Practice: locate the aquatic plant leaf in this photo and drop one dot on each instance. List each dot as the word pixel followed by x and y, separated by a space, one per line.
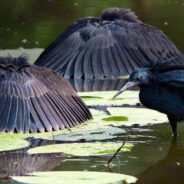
pixel 75 177
pixel 115 118
pixel 82 149
pixel 141 116
pixel 12 141
pixel 105 98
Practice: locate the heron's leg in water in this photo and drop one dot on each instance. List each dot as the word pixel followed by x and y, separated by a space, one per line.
pixel 173 123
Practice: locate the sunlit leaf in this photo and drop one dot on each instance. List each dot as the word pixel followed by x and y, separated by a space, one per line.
pixel 82 149
pixel 75 177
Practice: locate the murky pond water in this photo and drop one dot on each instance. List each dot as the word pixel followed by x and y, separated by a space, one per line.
pixel 36 23
pixel 156 157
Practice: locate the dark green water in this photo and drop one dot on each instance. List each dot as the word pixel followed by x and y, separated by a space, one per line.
pixel 156 158
pixel 39 22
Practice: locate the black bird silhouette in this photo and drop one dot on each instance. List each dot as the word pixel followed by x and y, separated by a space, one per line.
pixel 161 88
pixel 36 99
pixel 109 46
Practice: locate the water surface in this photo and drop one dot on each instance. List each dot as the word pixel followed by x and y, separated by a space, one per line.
pixel 36 23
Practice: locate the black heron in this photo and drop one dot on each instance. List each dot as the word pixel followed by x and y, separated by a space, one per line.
pixel 36 99
pixel 161 89
pixel 109 46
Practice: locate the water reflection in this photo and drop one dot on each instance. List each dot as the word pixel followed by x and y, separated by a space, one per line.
pixel 97 85
pixel 169 170
pixel 19 162
pixel 155 159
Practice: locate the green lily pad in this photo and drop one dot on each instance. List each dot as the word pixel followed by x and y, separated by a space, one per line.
pixel 12 141
pixel 139 116
pixel 90 135
pixel 115 118
pixel 82 149
pixel 105 98
pixel 75 177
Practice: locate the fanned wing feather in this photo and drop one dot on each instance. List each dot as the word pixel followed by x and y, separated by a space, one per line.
pixel 173 78
pixel 95 48
pixel 37 99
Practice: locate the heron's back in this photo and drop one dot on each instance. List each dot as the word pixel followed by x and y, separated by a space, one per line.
pixel 166 100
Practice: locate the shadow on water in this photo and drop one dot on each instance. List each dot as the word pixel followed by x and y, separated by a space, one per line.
pixel 161 161
pixel 169 170
pixel 19 162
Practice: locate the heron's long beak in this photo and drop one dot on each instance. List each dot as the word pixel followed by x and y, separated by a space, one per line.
pixel 125 87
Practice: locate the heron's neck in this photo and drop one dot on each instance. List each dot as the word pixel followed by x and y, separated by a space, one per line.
pixel 146 93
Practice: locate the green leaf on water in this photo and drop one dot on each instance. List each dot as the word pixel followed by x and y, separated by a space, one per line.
pixel 82 149
pixel 75 177
pixel 115 118
pixel 12 141
pixel 105 98
pixel 141 116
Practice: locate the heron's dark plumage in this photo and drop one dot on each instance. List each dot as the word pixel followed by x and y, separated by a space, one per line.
pixel 162 89
pixel 36 99
pixel 110 46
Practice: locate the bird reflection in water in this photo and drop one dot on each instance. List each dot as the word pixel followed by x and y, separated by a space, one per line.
pixel 19 162
pixel 167 171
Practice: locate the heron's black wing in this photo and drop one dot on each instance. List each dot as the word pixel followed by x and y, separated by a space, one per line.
pixel 172 76
pixel 106 49
pixel 36 99
pixel 59 53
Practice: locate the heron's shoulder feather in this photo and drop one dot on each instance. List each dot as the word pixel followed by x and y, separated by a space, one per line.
pixel 172 76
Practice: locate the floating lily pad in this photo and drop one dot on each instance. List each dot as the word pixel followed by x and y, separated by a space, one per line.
pixel 82 149
pixel 12 141
pixel 115 118
pixel 139 116
pixel 75 177
pixel 105 98
pixel 90 135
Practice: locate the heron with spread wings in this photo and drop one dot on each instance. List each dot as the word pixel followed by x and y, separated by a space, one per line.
pixel 109 46
pixel 36 99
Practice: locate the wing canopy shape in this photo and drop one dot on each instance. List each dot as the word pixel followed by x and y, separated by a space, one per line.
pixel 110 46
pixel 35 99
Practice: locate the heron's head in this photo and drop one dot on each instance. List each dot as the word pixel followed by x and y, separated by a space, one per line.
pixel 139 77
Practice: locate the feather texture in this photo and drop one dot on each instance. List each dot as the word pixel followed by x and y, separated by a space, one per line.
pixel 35 99
pixel 110 46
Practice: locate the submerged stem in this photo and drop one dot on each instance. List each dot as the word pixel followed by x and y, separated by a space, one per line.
pixel 118 150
